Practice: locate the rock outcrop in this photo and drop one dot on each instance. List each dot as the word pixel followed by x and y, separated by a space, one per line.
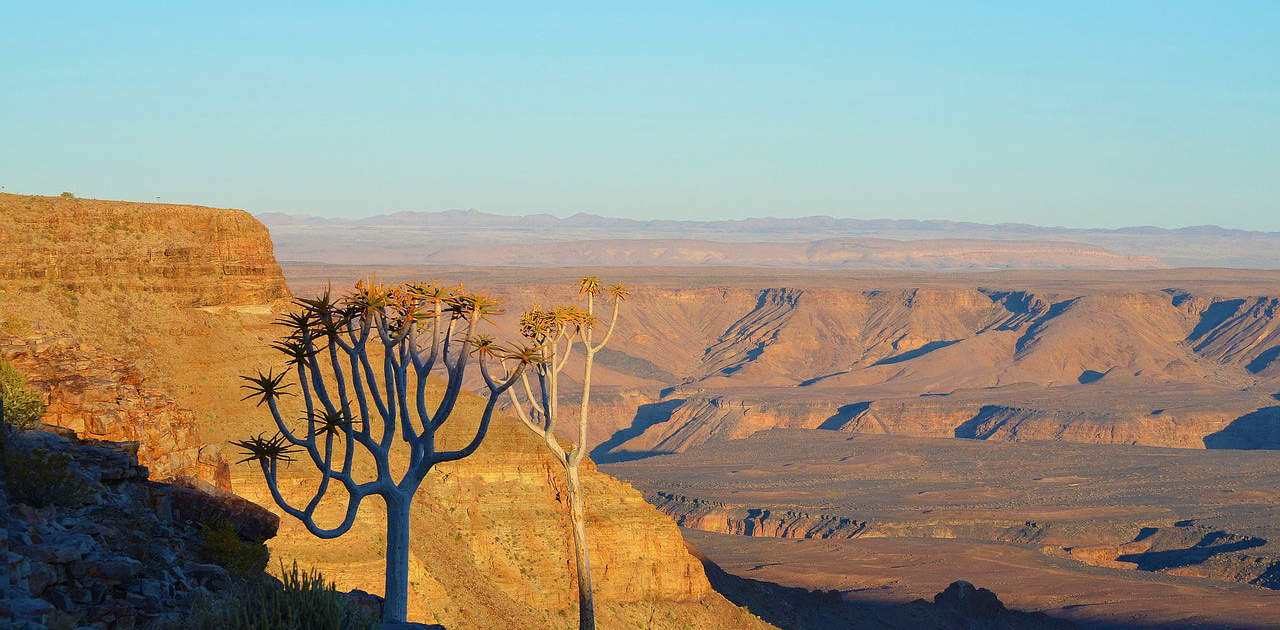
pixel 101 398
pixel 86 540
pixel 204 256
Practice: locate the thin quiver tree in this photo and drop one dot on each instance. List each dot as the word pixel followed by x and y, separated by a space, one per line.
pixel 553 334
pixel 333 347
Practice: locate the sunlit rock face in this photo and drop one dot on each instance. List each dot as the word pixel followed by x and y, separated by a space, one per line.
pixel 207 256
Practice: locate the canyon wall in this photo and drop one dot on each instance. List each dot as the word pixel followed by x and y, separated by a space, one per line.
pixel 1163 367
pixel 101 398
pixel 204 256
pixel 1185 357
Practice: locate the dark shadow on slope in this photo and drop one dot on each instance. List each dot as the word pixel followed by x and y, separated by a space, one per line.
pixel 1269 578
pixel 1038 325
pixel 1257 430
pixel 1017 303
pixel 918 352
pixel 633 365
pixel 1177 296
pixel 1212 317
pixel 1260 362
pixel 810 381
pixel 1090 376
pixel 1196 554
pixel 843 415
pixel 969 428
pixel 751 355
pixel 646 416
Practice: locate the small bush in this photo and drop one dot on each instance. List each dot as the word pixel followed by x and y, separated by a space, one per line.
pixel 223 546
pixel 302 600
pixel 20 407
pixel 39 477
pixel 67 195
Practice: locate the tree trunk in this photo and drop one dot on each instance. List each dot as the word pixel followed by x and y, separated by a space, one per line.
pixel 586 607
pixel 395 605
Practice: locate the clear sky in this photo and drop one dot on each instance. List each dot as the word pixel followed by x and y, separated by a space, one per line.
pixel 1059 113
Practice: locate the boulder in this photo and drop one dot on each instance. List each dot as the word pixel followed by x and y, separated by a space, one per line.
pixel 969 600
pixel 196 500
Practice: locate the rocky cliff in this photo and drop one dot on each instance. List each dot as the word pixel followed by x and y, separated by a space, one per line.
pixel 204 256
pixel 101 398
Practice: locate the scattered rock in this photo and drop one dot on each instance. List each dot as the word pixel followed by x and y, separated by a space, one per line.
pixel 127 560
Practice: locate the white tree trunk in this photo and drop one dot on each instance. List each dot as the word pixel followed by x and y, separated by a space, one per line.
pixel 586 605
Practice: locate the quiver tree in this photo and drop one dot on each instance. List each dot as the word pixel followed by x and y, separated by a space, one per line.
pixel 407 331
pixel 553 335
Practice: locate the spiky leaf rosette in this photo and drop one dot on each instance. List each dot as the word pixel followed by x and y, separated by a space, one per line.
pixel 526 355
pixel 537 324
pixel 618 291
pixel 298 322
pixel 590 285
pixel 473 305
pixel 299 352
pixel 485 346
pixel 265 450
pixel 328 422
pixel 266 386
pixel 332 319
pixel 571 316
pixel 369 296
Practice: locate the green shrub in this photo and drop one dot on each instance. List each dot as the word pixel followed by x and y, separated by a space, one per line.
pixel 302 600
pixel 38 477
pixel 223 546
pixel 23 407
pixel 67 195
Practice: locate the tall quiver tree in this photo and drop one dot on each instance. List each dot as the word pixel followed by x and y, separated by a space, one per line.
pixel 553 334
pixel 409 331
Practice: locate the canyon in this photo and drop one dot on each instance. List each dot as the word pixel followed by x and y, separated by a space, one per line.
pixel 1186 358
pixel 847 429
pixel 1038 431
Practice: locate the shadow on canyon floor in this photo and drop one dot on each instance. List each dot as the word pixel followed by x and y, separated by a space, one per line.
pixel 1189 556
pixel 1258 430
pixel 646 416
pixel 794 608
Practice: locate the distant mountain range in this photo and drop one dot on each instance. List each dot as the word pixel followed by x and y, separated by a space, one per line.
pixel 471 237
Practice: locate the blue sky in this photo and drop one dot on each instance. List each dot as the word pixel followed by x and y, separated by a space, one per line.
pixel 1080 114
